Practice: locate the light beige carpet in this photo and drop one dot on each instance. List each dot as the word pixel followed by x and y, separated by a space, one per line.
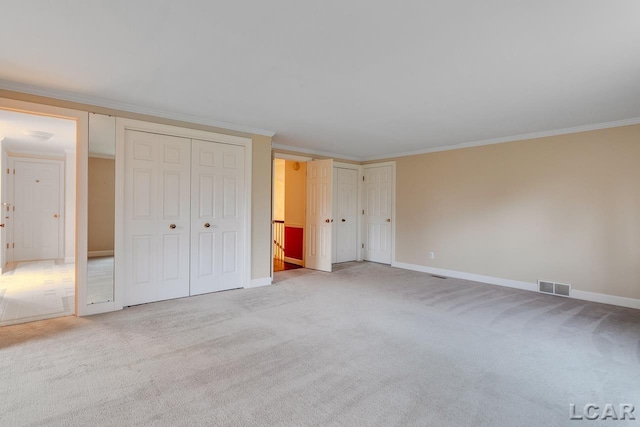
pixel 365 345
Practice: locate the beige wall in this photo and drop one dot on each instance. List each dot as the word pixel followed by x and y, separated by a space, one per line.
pixel 563 208
pixel 261 208
pixel 278 189
pixel 260 173
pixel 295 193
pixel 101 213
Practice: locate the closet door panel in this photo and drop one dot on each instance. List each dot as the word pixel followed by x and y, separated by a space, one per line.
pixel 346 215
pixel 217 220
pixel 157 220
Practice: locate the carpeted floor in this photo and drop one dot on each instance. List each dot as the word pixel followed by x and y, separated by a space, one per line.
pixel 365 345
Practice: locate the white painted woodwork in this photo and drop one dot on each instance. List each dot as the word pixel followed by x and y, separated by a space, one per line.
pixel 319 214
pixel 217 199
pixel 6 218
pixel 345 243
pixel 377 204
pixel 37 214
pixel 157 177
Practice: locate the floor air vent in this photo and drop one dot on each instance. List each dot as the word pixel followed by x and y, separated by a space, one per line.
pixel 560 289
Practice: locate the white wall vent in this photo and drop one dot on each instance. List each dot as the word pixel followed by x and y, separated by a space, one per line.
pixel 553 288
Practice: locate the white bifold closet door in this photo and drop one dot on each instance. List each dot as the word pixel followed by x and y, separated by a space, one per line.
pixel 184 217
pixel 217 217
pixel 157 219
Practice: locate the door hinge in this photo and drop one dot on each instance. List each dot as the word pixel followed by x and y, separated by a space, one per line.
pixel 362 211
pixel 13 245
pixel 363 246
pixel 14 171
pixel 362 178
pixel 7 246
pixel 8 172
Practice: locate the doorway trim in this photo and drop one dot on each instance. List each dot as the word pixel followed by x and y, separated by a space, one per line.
pixel 81 119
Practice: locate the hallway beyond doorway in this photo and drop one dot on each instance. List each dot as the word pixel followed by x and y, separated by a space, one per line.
pixel 280 265
pixel 36 290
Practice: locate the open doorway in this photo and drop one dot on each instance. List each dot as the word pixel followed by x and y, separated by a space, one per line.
pixel 37 231
pixel 315 212
pixel 289 200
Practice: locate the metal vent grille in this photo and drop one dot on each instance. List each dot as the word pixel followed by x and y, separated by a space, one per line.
pixel 546 287
pixel 562 289
pixel 553 288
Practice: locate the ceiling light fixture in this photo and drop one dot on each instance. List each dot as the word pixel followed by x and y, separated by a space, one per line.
pixel 38 134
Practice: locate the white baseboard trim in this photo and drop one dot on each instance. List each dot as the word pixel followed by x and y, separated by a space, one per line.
pixel 294 261
pixel 468 276
pixel 69 259
pixel 95 254
pixel 256 283
pixel 533 287
pixel 606 299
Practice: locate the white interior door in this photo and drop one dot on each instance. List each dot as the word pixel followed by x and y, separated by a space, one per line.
pixel 346 215
pixel 157 217
pixel 4 210
pixel 37 210
pixel 377 203
pixel 217 217
pixel 319 214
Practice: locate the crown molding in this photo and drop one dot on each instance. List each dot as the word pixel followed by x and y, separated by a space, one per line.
pixel 316 152
pixel 514 138
pixel 131 108
pixel 479 143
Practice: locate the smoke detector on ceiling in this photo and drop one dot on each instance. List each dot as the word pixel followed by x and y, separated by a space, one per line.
pixel 43 136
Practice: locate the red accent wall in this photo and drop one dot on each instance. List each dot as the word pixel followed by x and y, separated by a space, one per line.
pixel 293 238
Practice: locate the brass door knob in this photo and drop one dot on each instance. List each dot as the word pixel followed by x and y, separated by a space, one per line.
pixel 172 226
pixel 55 215
pixel 388 219
pixel 327 221
pixel 344 220
pixel 207 225
pixel 2 225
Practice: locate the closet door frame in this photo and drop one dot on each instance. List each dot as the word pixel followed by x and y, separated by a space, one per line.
pixel 122 125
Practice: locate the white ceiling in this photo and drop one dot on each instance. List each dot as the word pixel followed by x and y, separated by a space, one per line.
pixel 13 126
pixel 361 79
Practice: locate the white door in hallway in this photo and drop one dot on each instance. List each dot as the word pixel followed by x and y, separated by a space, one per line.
pixel 157 217
pixel 319 215
pixel 37 210
pixel 346 215
pixel 377 204
pixel 217 217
